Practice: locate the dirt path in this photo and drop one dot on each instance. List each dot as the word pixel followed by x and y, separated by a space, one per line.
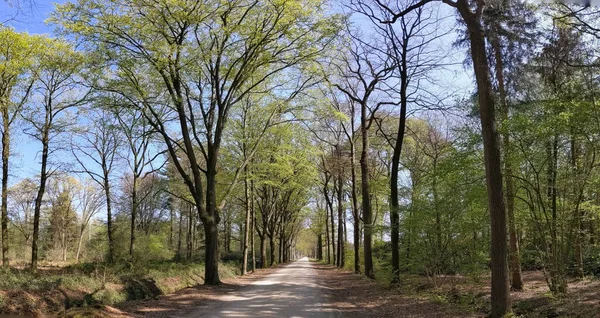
pixel 291 291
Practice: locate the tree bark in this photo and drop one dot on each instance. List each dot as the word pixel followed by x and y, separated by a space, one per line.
pixel 5 158
pixel 500 297
pixel 134 206
pixel 394 202
pixel 252 232
pixel 327 235
pixel 40 195
pixel 190 239
pixel 515 259
pixel 340 194
pixel 263 250
pixel 272 251
pixel 246 222
pixel 366 195
pixel 355 212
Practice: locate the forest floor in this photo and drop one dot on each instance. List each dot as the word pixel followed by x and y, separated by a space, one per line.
pixel 455 296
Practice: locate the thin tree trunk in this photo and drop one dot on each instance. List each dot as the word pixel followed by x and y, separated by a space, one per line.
pixel 394 202
pixel 134 206
pixel 340 193
pixel 111 245
pixel 39 197
pixel 79 244
pixel 320 247
pixel 171 228
pixel 355 212
pixel 327 235
pixel 578 213
pixel 5 158
pixel 246 223
pixel 253 216
pixel 180 234
pixel 189 245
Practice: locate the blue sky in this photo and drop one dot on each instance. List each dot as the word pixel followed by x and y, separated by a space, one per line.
pixel 25 151
pixel 25 161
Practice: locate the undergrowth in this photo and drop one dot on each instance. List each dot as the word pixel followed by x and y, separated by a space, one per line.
pixel 85 284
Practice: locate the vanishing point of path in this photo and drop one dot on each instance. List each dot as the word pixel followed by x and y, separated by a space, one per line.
pixel 291 291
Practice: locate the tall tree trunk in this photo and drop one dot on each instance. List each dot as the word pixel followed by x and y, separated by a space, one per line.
pixel 252 233
pixel 134 206
pixel 281 248
pixel 180 235
pixel 327 235
pixel 355 212
pixel 500 297
pixel 578 213
pixel 320 247
pixel 557 277
pixel 329 209
pixel 79 244
pixel 394 202
pixel 5 158
pixel 340 194
pixel 272 251
pixel 366 195
pixel 515 258
pixel 109 225
pixel 246 222
pixel 263 250
pixel 190 231
pixel 171 227
pixel 40 195
pixel 211 221
pixel 212 253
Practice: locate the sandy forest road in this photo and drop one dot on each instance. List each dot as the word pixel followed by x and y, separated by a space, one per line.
pixel 291 291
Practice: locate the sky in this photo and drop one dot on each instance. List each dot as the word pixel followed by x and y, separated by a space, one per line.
pixel 26 155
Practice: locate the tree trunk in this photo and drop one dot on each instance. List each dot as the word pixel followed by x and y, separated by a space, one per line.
pixel 515 259
pixel 366 195
pixel 171 227
pixel 109 225
pixel 190 240
pixel 180 235
pixel 340 193
pixel 5 158
pixel 134 206
pixel 272 251
pixel 320 247
pixel 500 297
pixel 327 236
pixel 211 254
pixel 79 244
pixel 211 220
pixel 578 195
pixel 329 209
pixel 355 213
pixel 39 197
pixel 246 223
pixel 252 232
pixel 394 202
pixel 263 250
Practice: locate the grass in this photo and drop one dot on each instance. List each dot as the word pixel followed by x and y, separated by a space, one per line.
pixel 55 289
